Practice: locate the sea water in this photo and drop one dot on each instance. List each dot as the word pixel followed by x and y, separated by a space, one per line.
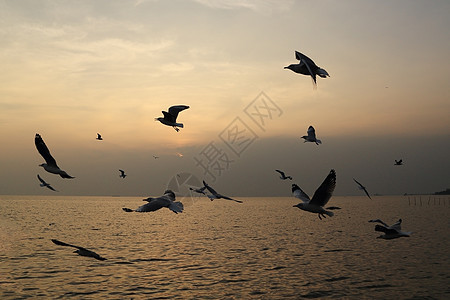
pixel 263 248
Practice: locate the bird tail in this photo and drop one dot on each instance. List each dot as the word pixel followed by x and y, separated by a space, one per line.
pixel 179 125
pixel 318 142
pixel 127 209
pixel 329 213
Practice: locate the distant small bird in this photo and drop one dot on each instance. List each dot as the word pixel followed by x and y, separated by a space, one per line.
pixel 311 137
pixel 99 137
pixel 166 200
pixel 398 162
pixel 50 165
pixel 361 187
pixel 307 67
pixel 170 118
pixel 155 157
pixel 390 232
pixel 81 251
pixel 122 174
pixel 283 176
pixel 179 154
pixel 214 195
pixel 45 184
pixel 320 198
pixel 199 190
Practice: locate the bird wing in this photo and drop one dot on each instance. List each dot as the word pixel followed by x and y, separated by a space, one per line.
pixel 176 207
pixel 311 132
pixel 50 187
pixel 281 172
pixel 358 183
pixel 169 117
pixel 122 172
pixel 396 226
pixel 154 204
pixel 210 189
pixel 228 198
pixel 367 193
pixel 297 192
pixel 59 243
pixel 43 150
pixel 174 110
pixel 386 230
pixel 378 221
pixel 323 194
pixel 41 180
pixel 308 62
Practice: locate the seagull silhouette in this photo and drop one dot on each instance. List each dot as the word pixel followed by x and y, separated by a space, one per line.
pixel 320 198
pixel 283 176
pixel 361 187
pixel 80 250
pixel 390 232
pixel 398 162
pixel 45 184
pixel 215 195
pixel 50 163
pixel 307 67
pixel 166 200
pixel 122 174
pixel 170 118
pixel 99 137
pixel 311 137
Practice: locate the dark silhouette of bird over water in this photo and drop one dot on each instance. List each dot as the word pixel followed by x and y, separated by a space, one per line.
pixel 390 232
pixel 166 200
pixel 215 195
pixel 170 118
pixel 398 162
pixel 320 198
pixel 122 174
pixel 283 176
pixel 361 187
pixel 306 66
pixel 45 184
pixel 80 250
pixel 50 163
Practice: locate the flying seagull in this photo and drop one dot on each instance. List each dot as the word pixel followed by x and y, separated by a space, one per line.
pixel 155 157
pixel 81 251
pixel 99 137
pixel 45 184
pixel 361 187
pixel 50 163
pixel 390 232
pixel 166 200
pixel 122 174
pixel 283 176
pixel 170 118
pixel 307 67
pixel 311 137
pixel 320 198
pixel 398 162
pixel 214 195
pixel 199 190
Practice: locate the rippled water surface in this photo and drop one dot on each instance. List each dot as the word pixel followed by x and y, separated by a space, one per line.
pixel 261 249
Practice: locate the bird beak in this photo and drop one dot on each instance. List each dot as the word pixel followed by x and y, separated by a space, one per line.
pixel 286 67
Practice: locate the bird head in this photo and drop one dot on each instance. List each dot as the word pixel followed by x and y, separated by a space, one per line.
pixel 42 165
pixel 159 119
pixel 290 67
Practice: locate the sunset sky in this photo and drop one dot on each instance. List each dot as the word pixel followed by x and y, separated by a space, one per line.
pixel 71 69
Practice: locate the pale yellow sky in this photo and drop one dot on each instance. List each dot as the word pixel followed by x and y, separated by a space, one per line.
pixel 71 69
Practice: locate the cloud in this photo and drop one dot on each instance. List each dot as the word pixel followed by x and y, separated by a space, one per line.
pixel 265 7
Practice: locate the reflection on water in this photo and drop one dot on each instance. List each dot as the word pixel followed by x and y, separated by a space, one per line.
pixel 261 249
